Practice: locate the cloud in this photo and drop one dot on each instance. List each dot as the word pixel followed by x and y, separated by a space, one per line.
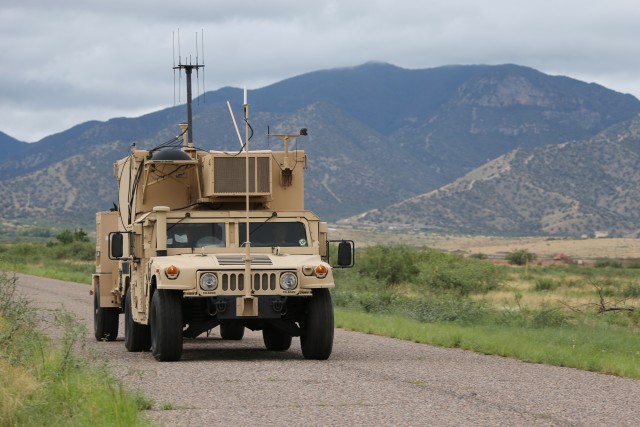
pixel 74 61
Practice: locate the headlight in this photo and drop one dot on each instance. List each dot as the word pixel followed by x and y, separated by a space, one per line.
pixel 208 282
pixel 288 281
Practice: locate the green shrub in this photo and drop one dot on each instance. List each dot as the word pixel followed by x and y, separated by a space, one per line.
pixel 548 318
pixel 390 264
pixel 431 308
pixel 606 262
pixel 631 290
pixel 546 284
pixel 443 271
pixel 520 257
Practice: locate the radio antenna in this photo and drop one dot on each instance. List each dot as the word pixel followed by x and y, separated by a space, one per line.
pixel 204 90
pixel 188 71
pixel 197 73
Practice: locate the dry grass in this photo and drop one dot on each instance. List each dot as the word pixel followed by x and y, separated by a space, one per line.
pixel 543 247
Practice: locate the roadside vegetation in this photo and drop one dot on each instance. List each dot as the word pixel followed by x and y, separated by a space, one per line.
pixel 44 382
pixel 68 256
pixel 587 317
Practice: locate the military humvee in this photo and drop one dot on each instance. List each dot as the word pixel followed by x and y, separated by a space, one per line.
pixel 205 239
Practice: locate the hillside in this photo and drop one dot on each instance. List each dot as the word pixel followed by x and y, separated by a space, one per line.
pixel 378 134
pixel 10 147
pixel 574 188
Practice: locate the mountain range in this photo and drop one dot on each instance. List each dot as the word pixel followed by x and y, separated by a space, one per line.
pixel 477 148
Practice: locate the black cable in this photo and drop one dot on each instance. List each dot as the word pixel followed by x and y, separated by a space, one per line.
pixel 243 145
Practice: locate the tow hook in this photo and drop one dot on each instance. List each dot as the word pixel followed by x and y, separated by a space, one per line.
pixel 221 306
pixel 280 305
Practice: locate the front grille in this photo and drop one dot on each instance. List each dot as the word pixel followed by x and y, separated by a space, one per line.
pixel 264 281
pixel 256 259
pixel 232 281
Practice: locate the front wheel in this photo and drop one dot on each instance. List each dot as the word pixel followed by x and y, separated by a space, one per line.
pixel 317 335
pixel 105 319
pixel 136 335
pixel 166 325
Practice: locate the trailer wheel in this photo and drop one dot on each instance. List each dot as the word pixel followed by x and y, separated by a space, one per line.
pixel 276 340
pixel 166 325
pixel 136 335
pixel 317 329
pixel 232 331
pixel 105 319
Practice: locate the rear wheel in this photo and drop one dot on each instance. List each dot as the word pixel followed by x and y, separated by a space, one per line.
pixel 105 319
pixel 276 340
pixel 136 335
pixel 317 336
pixel 166 325
pixel 232 331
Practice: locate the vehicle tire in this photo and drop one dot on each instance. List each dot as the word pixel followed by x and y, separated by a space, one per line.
pixel 276 340
pixel 166 325
pixel 232 331
pixel 105 319
pixel 137 337
pixel 317 331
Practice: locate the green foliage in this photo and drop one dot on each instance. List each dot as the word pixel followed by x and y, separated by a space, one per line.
pixel 72 261
pixel 601 347
pixel 606 262
pixel 433 308
pixel 631 290
pixel 389 264
pixel 66 237
pixel 520 257
pixel 478 255
pixel 428 285
pixel 441 271
pixel 546 284
pixel 46 384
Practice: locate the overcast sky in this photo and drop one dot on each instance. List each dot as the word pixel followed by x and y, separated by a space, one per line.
pixel 65 62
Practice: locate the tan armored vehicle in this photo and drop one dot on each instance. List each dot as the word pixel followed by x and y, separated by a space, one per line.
pixel 206 239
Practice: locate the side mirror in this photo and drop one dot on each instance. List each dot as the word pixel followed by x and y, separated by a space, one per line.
pixel 116 245
pixel 346 253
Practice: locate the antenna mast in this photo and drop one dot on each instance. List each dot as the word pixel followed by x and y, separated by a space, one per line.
pixel 188 71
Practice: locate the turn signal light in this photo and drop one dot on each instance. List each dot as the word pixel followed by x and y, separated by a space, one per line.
pixel 321 271
pixel 172 272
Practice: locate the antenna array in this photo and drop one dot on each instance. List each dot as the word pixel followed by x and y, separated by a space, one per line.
pixel 188 67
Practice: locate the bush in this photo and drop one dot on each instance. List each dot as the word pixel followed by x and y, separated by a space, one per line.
pixel 632 290
pixel 452 272
pixel 433 308
pixel 604 263
pixel 390 264
pixel 546 284
pixel 520 257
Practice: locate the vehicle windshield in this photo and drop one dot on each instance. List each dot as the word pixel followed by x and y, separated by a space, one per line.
pixel 195 235
pixel 269 234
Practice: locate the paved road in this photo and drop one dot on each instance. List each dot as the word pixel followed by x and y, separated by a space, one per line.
pixel 368 380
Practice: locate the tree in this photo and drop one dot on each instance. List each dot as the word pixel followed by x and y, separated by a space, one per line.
pixel 520 257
